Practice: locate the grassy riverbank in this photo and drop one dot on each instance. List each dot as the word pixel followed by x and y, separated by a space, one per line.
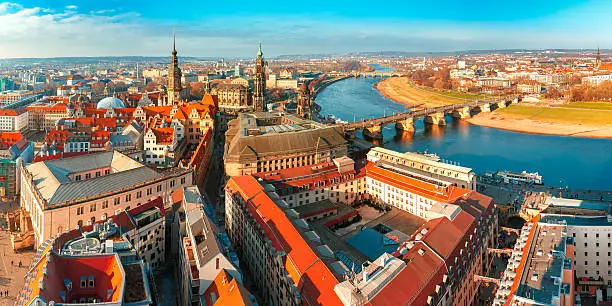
pixel 402 91
pixel 576 119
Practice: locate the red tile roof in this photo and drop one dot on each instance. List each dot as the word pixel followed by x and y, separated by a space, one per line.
pixel 308 272
pixel 164 136
pixel 416 281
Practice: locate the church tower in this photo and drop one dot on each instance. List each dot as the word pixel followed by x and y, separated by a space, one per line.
pixel 259 86
pixel 304 109
pixel 174 77
pixel 598 59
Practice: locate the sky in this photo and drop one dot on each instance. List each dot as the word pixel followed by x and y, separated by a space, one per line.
pixel 207 28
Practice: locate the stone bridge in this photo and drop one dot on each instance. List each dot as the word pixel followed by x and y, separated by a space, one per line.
pixel 372 128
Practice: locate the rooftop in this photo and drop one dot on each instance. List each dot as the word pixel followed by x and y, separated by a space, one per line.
pixel 57 181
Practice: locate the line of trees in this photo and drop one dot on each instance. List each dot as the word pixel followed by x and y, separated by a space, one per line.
pixel 584 92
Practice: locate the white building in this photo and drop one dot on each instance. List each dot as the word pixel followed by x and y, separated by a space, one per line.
pixel 13 120
pixel 596 80
pixel 593 243
pixel 424 167
pixel 159 143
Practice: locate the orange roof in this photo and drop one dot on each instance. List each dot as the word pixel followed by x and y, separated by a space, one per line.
pixel 105 268
pixel 228 291
pixel 605 66
pixel 163 135
pixel 431 191
pixel 211 100
pixel 10 138
pixel 308 272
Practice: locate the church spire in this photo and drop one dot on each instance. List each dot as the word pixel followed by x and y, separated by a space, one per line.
pixel 598 58
pixel 174 43
pixel 259 53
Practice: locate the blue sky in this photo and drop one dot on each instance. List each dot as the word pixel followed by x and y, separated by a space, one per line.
pixel 39 28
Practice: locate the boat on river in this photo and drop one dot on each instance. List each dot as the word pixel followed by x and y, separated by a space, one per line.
pixel 523 177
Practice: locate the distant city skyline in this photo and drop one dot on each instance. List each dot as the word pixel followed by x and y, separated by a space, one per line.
pixel 62 28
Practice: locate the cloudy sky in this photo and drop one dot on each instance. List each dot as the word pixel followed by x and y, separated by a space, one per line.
pixel 49 28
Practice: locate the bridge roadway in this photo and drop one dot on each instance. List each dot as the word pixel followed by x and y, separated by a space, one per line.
pixel 404 121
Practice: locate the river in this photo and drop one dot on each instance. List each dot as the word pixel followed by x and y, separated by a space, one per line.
pixel 578 163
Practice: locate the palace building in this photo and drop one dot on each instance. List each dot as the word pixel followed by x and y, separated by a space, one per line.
pixel 76 191
pixel 262 141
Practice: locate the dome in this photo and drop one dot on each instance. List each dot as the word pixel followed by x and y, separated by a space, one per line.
pixel 110 102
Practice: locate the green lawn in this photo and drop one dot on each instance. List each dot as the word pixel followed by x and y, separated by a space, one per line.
pixel 567 115
pixel 590 105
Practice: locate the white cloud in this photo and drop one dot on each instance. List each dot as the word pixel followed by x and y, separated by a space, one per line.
pixel 43 32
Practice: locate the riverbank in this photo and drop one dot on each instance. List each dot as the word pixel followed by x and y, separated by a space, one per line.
pixel 545 121
pixel 402 91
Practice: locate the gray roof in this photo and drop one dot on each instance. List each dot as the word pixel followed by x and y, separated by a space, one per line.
pixel 288 142
pixel 52 178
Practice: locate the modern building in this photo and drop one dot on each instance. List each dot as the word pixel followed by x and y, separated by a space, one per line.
pixel 14 120
pixel 541 269
pixel 423 166
pixel 258 142
pixel 592 237
pixel 205 255
pixel 233 98
pixel 65 193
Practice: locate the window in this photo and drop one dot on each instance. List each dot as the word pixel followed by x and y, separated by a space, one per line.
pixel 597 263
pixel 117 201
pixel 149 191
pixel 87 175
pixel 97 173
pixel 128 197
pixel 159 188
pixel 139 194
pixel 92 207
pixel 596 253
pixel 585 235
pixel 586 263
pixel 105 204
pixel 597 244
pixel 77 178
pixel 79 211
pixel 597 235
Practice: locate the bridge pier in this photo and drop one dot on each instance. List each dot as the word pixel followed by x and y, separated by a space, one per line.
pixel 461 113
pixel 435 118
pixel 373 132
pixel 484 108
pixel 406 125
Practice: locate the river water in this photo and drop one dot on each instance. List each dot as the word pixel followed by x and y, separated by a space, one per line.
pixel 579 163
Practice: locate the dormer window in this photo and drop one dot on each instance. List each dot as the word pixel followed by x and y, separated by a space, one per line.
pixel 83 282
pixel 91 281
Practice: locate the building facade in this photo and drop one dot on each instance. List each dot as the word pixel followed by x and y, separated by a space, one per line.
pixel 261 142
pixel 76 191
pixel 233 98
